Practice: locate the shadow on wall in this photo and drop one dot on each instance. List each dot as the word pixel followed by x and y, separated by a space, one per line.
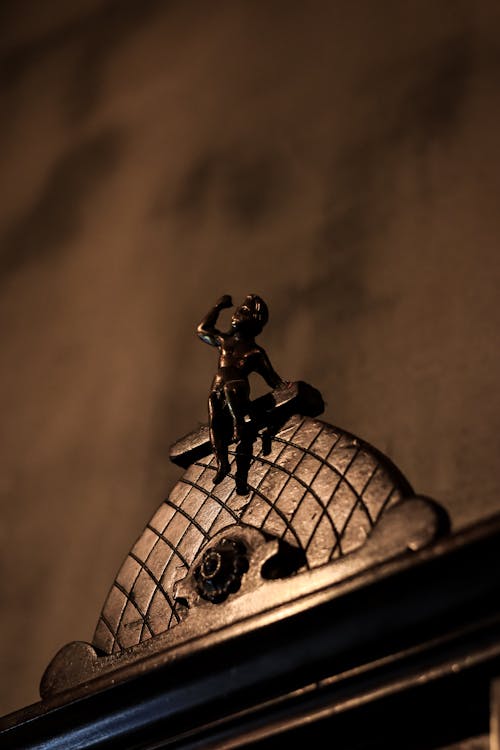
pixel 96 34
pixel 43 232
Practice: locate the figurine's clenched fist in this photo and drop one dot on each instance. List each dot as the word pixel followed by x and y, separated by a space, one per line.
pixel 225 301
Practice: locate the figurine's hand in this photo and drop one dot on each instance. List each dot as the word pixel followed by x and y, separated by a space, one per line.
pixel 225 301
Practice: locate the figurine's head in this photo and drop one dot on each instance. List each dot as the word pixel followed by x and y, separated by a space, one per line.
pixel 251 316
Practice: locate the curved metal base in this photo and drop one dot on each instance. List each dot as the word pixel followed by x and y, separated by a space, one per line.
pixel 404 529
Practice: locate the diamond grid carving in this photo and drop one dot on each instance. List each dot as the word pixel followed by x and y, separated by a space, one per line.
pixel 319 488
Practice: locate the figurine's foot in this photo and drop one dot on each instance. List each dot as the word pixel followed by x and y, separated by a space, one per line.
pixel 266 439
pixel 242 487
pixel 222 472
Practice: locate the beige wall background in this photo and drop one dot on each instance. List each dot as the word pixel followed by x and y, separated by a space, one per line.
pixel 339 158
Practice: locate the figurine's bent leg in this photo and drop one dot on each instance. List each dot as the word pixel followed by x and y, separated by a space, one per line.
pixel 237 394
pixel 217 434
pixel 244 452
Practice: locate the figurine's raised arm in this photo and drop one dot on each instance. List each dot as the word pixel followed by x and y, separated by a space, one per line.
pixel 206 328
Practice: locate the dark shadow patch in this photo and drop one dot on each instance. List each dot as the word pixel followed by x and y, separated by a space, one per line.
pixel 337 291
pixel 195 188
pixel 359 198
pixel 421 99
pixel 286 562
pixel 112 25
pixel 54 218
pixel 16 61
pixel 253 190
pixel 338 287
pixel 98 33
pixel 431 107
pixel 246 190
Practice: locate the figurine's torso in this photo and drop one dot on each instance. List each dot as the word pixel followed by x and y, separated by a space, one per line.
pixel 237 358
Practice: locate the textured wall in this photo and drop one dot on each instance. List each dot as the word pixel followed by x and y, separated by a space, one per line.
pixel 339 158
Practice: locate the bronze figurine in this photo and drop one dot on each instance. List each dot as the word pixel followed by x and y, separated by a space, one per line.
pixel 239 355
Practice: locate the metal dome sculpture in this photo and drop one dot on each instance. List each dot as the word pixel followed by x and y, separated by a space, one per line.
pixel 274 504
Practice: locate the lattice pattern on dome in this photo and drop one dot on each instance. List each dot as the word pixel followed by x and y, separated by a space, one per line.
pixel 320 489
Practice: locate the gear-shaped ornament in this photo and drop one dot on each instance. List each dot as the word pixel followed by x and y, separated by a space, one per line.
pixel 220 570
